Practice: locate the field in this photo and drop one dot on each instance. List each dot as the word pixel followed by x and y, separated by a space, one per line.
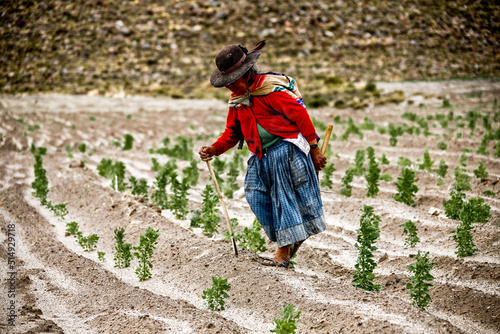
pixel 61 288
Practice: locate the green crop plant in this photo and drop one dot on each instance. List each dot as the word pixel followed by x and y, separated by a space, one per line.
pixel 71 228
pixel 251 239
pixel 404 162
pixel 427 163
pixel 497 150
pixel 368 234
pixel 419 286
pixel 215 295
pixel 159 196
pixel 144 252
pixel 453 206
pixel 59 210
pixel 383 160
pixel 178 201
pixel 191 173
pixel 326 180
pixel 482 149
pixel 367 124
pixel 346 181
pixel 446 104
pixel 359 162
pixel 406 187
pixel 319 125
pixel 232 185
pixel 442 145
pixel 88 243
pixel 351 129
pixel 207 218
pixel 128 142
pixel 82 147
pixel 481 172
pixel 156 166
pixel 69 152
pixel 139 187
pixel 122 256
pixel 462 179
pixel 394 132
pixel 386 177
pixel 474 210
pixel 489 193
pixel 227 235
pixel 463 158
pixel 442 168
pixel 101 256
pixel 410 230
pixel 41 182
pixel 114 172
pixel 219 167
pixel 183 148
pixel 288 324
pixel 373 174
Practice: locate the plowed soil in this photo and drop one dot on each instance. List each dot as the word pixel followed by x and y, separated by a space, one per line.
pixel 60 288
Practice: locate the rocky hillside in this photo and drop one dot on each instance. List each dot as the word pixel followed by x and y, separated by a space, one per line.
pixel 168 47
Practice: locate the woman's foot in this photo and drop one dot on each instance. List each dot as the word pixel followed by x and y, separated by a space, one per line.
pixel 280 259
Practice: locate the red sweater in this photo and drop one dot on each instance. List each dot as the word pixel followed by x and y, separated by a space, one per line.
pixel 278 113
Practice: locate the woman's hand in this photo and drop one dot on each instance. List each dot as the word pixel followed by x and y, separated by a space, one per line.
pixel 319 159
pixel 207 152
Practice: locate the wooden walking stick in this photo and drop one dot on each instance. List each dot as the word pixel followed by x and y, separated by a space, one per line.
pixel 324 146
pixel 223 207
pixel 328 133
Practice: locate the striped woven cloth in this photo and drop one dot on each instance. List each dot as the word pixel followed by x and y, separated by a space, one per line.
pixel 265 84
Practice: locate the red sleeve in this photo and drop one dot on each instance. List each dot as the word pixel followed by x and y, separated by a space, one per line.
pixel 231 135
pixel 294 111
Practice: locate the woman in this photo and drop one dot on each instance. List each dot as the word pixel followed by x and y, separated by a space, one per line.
pixel 281 185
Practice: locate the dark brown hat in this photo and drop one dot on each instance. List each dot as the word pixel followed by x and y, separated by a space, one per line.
pixel 233 62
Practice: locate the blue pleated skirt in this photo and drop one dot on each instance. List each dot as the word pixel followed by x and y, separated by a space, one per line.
pixel 282 190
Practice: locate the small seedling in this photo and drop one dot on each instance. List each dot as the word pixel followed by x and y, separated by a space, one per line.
pixel 373 174
pixel 406 187
pixel 351 129
pixel 346 189
pixel 453 206
pixel 442 168
pixel 144 252
pixel 219 167
pixel 207 218
pixel 287 325
pixel 359 162
pixel 163 177
pixel 404 162
pixel 101 256
pixel 71 228
pixel 69 151
pixel 156 165
pixel 410 230
pixel 191 173
pixel 122 255
pixel 251 239
pixel 139 188
pixel 481 172
pixel 114 172
pixel 82 147
pixel 215 295
pixel 232 185
pixel 368 233
pixel 442 145
pixel 226 235
pixel 462 179
pixel 419 288
pixel 179 201
pixel 386 177
pixel 427 164
pixel 326 180
pixel 88 243
pixel 383 160
pixel 128 142
pixel 490 193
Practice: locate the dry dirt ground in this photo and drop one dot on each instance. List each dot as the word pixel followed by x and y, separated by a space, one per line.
pixel 62 289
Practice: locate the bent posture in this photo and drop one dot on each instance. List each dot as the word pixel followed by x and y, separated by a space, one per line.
pixel 281 186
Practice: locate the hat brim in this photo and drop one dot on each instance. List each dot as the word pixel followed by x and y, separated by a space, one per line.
pixel 218 79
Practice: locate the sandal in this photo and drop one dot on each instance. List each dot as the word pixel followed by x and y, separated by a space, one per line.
pixel 275 263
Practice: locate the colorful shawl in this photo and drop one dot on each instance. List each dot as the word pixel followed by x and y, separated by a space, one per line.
pixel 265 84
